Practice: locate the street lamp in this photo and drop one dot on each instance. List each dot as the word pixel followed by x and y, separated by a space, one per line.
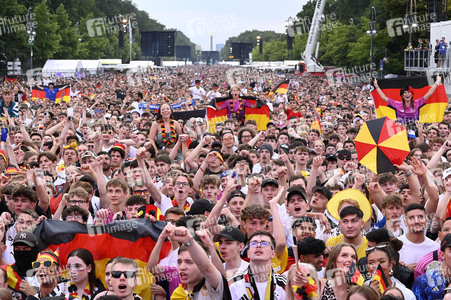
pixel 290 34
pixel 372 31
pixel 126 22
pixel 78 31
pixel 31 34
pixel 410 21
pixel 260 43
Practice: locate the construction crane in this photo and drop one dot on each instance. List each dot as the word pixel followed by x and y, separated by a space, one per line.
pixel 310 55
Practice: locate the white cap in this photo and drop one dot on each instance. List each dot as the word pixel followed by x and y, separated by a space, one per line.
pixel 446 173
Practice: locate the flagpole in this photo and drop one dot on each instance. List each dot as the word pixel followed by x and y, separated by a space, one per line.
pixel 131 37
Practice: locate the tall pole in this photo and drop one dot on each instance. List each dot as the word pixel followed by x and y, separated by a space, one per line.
pixel 372 31
pixel 131 37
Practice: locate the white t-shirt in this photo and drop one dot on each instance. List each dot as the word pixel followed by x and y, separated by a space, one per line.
pixel 197 93
pixel 412 253
pixel 241 268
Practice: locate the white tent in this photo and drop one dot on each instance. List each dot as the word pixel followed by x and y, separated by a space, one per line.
pixel 92 67
pixel 62 67
pixel 140 65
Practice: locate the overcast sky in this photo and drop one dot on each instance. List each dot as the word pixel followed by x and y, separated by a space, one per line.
pixel 198 18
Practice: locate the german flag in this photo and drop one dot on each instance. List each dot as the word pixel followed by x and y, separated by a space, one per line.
pixel 131 238
pixel 259 114
pixel 379 276
pixel 317 125
pixel 354 276
pixel 11 79
pixel 432 111
pixel 37 94
pixel 62 95
pixel 281 88
pixel 13 279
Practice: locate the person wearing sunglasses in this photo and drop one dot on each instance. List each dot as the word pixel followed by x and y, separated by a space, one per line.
pixel 259 279
pixel 83 283
pixel 47 268
pixel 124 278
pixel 386 255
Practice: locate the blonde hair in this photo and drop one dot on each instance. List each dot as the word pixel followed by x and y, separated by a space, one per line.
pixel 310 270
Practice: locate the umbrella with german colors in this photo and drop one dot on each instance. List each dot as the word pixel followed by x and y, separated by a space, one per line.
pixel 380 144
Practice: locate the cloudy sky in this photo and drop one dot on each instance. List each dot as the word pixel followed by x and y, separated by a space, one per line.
pixel 198 18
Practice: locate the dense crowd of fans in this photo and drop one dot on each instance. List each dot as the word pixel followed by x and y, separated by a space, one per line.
pixel 282 213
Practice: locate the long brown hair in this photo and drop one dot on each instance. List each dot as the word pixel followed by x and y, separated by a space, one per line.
pixel 334 253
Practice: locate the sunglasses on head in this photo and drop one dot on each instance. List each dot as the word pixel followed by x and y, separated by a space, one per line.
pixel 37 264
pixel 127 274
pixel 375 248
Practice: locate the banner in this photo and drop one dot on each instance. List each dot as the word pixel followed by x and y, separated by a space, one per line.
pixel 134 239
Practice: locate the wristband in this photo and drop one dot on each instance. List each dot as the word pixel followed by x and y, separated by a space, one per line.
pixel 203 170
pixel 409 174
pixel 187 244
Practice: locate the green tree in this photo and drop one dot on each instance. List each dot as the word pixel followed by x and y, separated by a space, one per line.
pixel 68 47
pixel 47 38
pixel 13 37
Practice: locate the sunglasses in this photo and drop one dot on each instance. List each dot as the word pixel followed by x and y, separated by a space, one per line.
pixel 36 264
pixel 127 274
pixel 374 248
pixel 344 158
pixel 143 192
pixel 107 132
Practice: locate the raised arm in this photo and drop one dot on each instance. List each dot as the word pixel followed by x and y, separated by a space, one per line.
pixel 278 229
pixel 154 191
pixel 379 91
pixel 433 88
pixel 44 199
pixel 154 258
pixel 198 255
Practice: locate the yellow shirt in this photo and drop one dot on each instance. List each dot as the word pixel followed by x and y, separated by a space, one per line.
pixel 335 240
pixel 279 263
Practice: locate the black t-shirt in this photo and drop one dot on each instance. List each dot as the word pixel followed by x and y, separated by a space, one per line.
pixel 120 94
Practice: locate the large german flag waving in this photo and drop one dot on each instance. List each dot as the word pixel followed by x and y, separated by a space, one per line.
pixel 259 114
pixel 432 111
pixel 281 88
pixel 61 95
pixel 134 239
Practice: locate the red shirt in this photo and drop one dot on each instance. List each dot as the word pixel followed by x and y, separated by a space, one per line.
pixel 291 113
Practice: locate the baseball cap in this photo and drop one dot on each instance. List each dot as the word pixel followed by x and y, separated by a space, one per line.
pixel 446 242
pixel 331 156
pixel 269 124
pixel 296 190
pixel 88 154
pixel 270 181
pixel 200 206
pixel 26 238
pixel 446 173
pixel 231 234
pixel 236 193
pixel 324 190
pixel 344 154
